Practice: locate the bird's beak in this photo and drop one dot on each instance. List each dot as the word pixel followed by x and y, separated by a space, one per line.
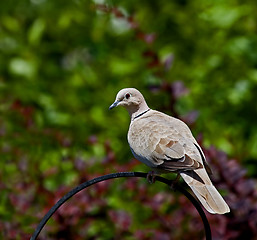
pixel 114 105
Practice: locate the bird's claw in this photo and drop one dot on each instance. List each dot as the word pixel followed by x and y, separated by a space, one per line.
pixel 174 182
pixel 151 177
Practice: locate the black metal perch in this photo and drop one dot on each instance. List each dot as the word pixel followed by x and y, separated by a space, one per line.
pixel 118 175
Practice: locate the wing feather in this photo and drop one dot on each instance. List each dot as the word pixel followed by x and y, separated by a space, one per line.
pixel 172 154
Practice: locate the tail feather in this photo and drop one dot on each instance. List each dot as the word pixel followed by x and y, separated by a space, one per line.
pixel 205 191
pixel 211 199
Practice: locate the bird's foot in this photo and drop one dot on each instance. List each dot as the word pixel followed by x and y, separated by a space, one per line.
pixel 151 177
pixel 175 182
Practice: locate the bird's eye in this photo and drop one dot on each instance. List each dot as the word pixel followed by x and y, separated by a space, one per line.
pixel 127 96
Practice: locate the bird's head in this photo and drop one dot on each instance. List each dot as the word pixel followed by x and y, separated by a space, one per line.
pixel 131 99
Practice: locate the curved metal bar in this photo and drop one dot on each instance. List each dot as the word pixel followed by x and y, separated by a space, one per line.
pixel 118 175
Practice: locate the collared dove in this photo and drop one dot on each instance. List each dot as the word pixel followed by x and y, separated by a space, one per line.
pixel 166 144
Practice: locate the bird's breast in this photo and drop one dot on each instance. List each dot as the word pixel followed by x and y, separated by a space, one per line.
pixel 139 143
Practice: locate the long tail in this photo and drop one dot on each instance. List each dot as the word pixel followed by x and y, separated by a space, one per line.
pixel 199 181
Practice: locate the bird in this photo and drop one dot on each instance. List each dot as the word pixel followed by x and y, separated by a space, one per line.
pixel 166 144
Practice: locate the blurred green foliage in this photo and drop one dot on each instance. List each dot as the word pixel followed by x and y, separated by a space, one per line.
pixel 62 63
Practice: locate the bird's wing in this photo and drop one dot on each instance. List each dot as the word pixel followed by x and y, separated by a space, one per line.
pixel 164 141
pixel 157 138
pixel 180 132
pixel 173 156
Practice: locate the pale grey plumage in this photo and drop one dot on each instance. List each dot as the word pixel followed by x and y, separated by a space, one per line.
pixel 166 144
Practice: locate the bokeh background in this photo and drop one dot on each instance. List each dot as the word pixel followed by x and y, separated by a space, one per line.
pixel 61 65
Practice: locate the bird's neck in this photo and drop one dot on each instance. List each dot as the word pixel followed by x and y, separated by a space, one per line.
pixel 135 111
